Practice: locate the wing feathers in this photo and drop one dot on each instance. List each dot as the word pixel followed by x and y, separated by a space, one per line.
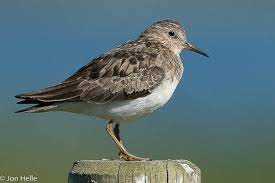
pixel 117 88
pixel 117 75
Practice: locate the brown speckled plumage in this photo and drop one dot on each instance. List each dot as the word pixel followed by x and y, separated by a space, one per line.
pixel 129 71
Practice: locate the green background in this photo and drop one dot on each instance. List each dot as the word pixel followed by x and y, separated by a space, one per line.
pixel 221 116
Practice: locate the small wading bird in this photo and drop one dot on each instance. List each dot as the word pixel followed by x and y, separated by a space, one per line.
pixel 123 84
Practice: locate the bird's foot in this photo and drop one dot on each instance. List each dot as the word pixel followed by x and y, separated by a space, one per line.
pixel 130 157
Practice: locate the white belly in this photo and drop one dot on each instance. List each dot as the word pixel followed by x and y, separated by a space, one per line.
pixel 126 110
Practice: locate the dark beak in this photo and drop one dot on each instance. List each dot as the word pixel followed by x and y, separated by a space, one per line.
pixel 195 49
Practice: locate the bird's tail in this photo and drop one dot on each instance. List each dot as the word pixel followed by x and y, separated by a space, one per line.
pixel 37 108
pixel 38 105
pixel 46 99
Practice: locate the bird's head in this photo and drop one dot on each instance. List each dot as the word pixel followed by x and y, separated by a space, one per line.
pixel 170 34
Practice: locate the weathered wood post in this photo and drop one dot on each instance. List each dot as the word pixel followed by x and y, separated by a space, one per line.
pixel 114 171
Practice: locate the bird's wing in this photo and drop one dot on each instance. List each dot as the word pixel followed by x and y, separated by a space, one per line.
pixel 119 88
pixel 117 75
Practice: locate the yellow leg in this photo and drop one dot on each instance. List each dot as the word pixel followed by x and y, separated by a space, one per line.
pixel 116 138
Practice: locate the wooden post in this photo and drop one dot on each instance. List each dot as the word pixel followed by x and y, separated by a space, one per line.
pixel 114 171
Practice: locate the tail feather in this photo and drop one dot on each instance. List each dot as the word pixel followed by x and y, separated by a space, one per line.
pixel 37 108
pixel 61 92
pixel 28 102
pixel 48 98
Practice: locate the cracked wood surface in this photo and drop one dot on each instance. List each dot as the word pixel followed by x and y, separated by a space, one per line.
pixel 115 171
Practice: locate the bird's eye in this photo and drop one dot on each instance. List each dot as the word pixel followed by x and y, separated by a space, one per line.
pixel 171 33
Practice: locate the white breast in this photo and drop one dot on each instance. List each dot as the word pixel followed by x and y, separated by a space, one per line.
pixel 145 105
pixel 126 110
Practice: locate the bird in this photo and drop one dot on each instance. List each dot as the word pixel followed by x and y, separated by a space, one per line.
pixel 123 84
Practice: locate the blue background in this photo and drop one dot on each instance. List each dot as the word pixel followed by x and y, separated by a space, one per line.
pixel 221 116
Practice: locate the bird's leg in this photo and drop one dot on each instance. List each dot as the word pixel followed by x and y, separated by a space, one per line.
pixel 116 138
pixel 116 132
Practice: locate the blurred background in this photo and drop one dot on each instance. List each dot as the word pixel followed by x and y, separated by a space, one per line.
pixel 221 116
